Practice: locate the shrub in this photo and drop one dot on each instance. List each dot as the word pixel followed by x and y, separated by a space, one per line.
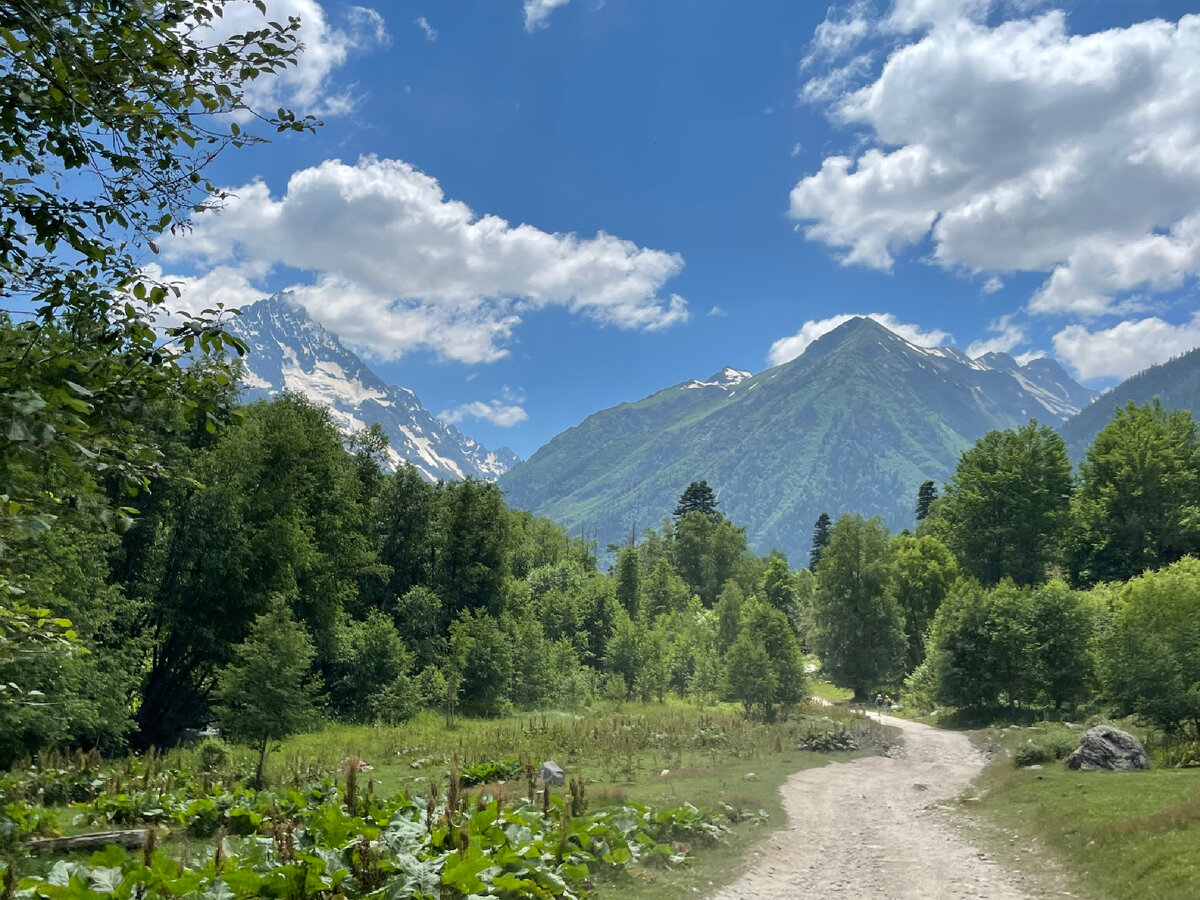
pixel 398 702
pixel 1177 755
pixel 213 753
pixel 827 741
pixel 1044 749
pixel 484 772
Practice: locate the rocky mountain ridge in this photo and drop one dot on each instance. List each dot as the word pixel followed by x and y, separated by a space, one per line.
pixel 288 350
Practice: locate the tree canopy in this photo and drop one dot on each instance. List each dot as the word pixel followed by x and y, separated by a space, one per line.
pixel 1006 509
pixel 858 625
pixel 1138 503
pixel 697 497
pixel 112 111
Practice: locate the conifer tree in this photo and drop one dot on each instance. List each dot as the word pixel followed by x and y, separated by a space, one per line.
pixel 820 540
pixel 925 497
pixel 697 497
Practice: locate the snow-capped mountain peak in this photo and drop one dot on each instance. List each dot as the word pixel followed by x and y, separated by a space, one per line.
pixel 290 351
pixel 727 378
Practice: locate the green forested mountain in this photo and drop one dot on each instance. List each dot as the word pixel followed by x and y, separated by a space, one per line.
pixel 1176 383
pixel 857 422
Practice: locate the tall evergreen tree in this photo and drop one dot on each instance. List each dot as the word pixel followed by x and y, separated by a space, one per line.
pixel 926 494
pixel 820 540
pixel 628 579
pixel 473 544
pixel 697 497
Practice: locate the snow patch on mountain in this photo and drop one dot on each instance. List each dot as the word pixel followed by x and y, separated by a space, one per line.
pixel 290 351
pixel 728 377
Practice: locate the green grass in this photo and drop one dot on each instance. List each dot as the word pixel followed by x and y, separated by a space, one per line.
pixel 662 755
pixel 831 692
pixel 1119 834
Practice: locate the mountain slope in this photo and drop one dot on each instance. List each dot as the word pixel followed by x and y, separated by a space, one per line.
pixel 1175 382
pixel 288 350
pixel 855 423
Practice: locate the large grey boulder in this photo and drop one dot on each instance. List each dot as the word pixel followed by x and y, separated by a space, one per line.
pixel 1105 747
pixel 551 773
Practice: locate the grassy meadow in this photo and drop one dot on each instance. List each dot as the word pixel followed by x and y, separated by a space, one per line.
pixel 660 755
pixel 662 758
pixel 1117 835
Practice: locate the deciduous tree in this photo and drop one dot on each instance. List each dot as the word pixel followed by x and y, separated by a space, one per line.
pixel 858 627
pixel 1151 655
pixel 113 111
pixel 1138 503
pixel 925 570
pixel 1006 509
pixel 268 691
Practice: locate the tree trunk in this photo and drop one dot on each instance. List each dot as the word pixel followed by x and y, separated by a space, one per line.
pixel 262 757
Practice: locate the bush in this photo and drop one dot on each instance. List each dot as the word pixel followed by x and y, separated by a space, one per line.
pixel 827 741
pixel 213 753
pixel 485 772
pixel 1044 749
pixel 1177 755
pixel 398 702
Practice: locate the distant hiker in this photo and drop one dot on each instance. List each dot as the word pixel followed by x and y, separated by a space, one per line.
pixel 887 701
pixel 879 699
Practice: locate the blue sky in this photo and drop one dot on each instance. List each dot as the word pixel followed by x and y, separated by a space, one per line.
pixel 528 211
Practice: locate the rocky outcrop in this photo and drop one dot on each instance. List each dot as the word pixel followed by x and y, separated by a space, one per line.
pixel 1105 747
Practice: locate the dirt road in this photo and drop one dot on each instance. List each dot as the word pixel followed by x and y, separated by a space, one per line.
pixel 872 828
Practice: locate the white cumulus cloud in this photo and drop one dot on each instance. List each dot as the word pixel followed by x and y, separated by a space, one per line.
pixel 307 85
pixel 429 31
pixel 788 348
pixel 395 265
pixel 499 413
pixel 537 12
pixel 843 29
pixel 1005 143
pixel 1127 347
pixel 1006 335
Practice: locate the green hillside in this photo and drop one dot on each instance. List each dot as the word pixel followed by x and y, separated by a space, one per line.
pixel 1176 383
pixel 856 423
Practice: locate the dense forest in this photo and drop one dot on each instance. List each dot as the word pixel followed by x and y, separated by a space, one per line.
pixel 272 573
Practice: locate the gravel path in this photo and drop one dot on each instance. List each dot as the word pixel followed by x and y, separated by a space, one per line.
pixel 876 827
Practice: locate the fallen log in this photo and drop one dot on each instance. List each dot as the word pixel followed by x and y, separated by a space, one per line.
pixel 129 839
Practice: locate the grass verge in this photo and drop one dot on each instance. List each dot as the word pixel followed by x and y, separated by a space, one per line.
pixel 1118 834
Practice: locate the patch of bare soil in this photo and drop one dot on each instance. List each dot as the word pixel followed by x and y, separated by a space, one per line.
pixel 879 827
